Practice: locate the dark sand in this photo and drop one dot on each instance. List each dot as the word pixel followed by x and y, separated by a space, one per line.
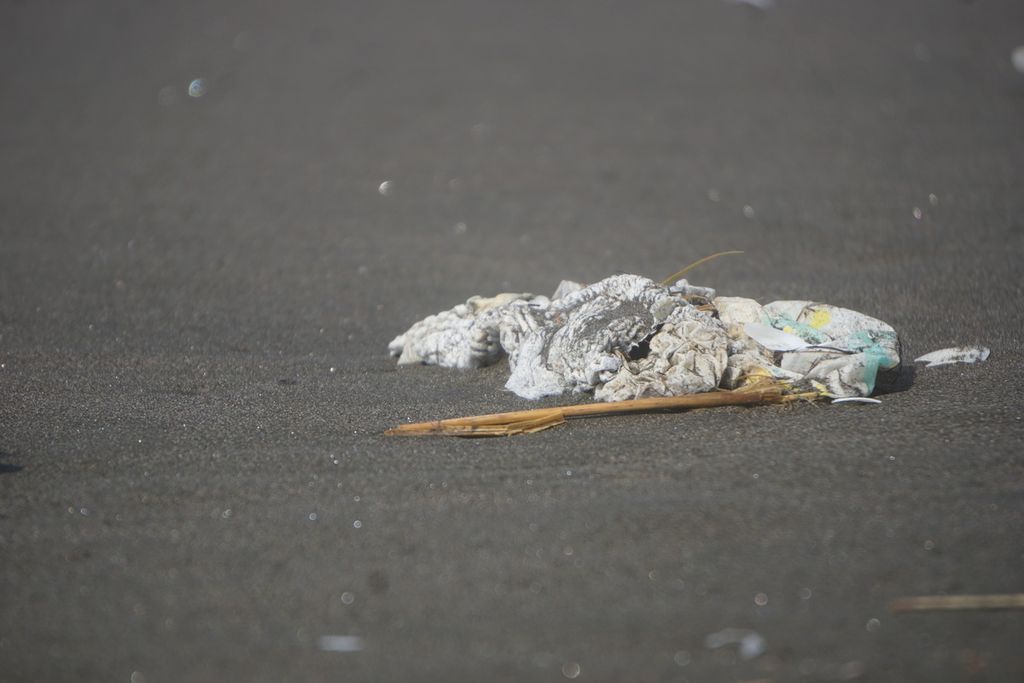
pixel 196 295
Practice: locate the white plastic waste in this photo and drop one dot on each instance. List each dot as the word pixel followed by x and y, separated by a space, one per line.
pixel 958 354
pixel 629 337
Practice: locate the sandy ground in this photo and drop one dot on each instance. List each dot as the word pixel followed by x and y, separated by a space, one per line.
pixel 196 293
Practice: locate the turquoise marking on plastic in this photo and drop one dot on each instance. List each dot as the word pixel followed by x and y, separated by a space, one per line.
pixel 871 360
pixel 860 340
pixel 871 344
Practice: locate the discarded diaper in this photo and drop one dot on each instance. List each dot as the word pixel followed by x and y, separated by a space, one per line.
pixel 628 337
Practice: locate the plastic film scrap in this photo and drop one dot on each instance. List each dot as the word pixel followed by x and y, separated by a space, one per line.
pixel 628 337
pixel 957 354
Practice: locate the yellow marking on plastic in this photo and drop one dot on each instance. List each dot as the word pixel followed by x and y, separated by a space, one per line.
pixel 819 319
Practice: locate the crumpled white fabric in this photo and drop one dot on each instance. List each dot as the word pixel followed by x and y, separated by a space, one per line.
pixel 630 337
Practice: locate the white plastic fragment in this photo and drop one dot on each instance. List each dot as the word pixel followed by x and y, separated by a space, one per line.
pixel 855 399
pixel 957 354
pixel 773 339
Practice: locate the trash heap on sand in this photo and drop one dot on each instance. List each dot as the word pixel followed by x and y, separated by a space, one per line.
pixel 629 337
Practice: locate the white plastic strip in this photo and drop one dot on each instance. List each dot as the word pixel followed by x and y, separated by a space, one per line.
pixel 957 354
pixel 773 339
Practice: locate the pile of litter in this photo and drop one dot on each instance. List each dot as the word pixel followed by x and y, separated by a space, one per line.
pixel 628 337
pixel 632 342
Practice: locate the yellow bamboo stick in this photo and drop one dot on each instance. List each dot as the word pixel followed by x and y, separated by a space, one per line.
pixel 527 421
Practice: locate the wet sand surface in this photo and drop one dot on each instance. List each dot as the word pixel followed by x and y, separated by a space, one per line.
pixel 214 216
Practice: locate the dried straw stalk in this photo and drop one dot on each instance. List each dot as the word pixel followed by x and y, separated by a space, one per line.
pixel 529 421
pixel 671 279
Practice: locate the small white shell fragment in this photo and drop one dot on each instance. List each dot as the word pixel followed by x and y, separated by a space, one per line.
pixel 957 354
pixel 197 88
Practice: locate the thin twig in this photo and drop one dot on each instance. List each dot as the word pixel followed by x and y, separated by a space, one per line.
pixel 671 279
